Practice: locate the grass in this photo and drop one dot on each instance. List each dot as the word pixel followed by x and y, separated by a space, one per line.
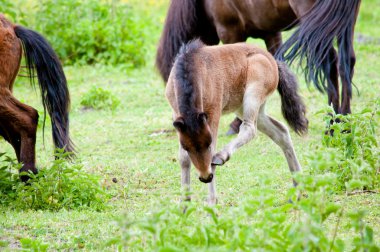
pixel 136 144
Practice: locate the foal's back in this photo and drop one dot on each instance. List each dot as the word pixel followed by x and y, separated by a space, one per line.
pixel 222 74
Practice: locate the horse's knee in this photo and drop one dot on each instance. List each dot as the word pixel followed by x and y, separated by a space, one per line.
pixel 247 129
pixel 32 122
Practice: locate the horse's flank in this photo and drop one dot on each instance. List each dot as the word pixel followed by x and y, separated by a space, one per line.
pixel 10 54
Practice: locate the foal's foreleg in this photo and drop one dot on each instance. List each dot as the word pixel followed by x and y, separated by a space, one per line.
pixel 185 162
pixel 247 130
pixel 280 135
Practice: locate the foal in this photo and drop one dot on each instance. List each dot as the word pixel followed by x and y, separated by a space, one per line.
pixel 18 121
pixel 208 81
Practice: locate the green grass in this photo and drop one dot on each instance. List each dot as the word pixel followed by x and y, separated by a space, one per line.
pixel 136 144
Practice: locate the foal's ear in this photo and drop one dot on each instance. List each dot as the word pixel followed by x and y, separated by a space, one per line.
pixel 179 124
pixel 202 117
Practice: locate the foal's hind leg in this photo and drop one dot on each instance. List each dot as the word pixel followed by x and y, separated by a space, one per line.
pixel 21 120
pixel 280 135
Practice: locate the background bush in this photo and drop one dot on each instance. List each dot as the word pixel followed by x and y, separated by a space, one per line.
pixel 92 31
pixel 350 150
pixel 62 185
pixel 98 98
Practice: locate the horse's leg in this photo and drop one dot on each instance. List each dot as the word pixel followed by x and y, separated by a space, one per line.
pixel 185 162
pixel 333 88
pixel 23 121
pixel 212 199
pixel 273 42
pixel 346 94
pixel 280 135
pixel 251 105
pixel 214 124
pixel 10 136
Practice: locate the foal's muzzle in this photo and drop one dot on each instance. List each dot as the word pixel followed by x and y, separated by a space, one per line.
pixel 208 179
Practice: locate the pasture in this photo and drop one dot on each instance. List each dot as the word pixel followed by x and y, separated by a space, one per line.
pixel 131 146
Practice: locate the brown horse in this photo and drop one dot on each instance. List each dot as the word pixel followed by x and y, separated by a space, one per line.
pixel 231 21
pixel 18 121
pixel 207 81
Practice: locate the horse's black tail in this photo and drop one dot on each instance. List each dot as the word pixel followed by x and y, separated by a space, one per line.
pixel 293 109
pixel 41 58
pixel 186 20
pixel 314 38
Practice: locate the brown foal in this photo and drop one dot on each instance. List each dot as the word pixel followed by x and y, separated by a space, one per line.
pixel 208 81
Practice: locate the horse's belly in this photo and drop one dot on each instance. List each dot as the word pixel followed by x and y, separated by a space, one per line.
pixel 234 103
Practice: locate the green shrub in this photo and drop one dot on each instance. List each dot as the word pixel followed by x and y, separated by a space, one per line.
pixel 33 245
pixel 7 8
pixel 351 152
pixel 257 224
pixel 60 186
pixel 92 31
pixel 98 98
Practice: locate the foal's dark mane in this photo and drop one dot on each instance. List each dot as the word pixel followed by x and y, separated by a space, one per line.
pixel 184 84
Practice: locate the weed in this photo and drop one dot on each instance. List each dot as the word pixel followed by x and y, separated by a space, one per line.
pixel 60 186
pixel 33 245
pixel 351 152
pixel 91 31
pixel 98 98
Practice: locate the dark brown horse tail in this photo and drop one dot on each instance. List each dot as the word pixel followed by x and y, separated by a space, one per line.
pixel 292 106
pixel 186 20
pixel 41 58
pixel 312 41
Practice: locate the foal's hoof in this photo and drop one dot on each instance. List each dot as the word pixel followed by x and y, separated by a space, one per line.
pixel 231 132
pixel 219 159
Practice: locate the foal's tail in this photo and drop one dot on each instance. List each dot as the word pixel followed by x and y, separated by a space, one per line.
pixel 186 20
pixel 41 58
pixel 293 108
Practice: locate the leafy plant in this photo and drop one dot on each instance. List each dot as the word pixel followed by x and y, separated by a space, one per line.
pixel 60 186
pixel 98 98
pixel 259 223
pixel 91 31
pixel 33 245
pixel 350 149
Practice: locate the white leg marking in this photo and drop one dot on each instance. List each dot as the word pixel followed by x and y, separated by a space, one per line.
pixel 279 133
pixel 185 163
pixel 212 200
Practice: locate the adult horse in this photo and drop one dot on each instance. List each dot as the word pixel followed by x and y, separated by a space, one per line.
pixel 18 121
pixel 320 23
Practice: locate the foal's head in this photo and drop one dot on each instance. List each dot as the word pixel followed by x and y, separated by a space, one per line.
pixel 195 137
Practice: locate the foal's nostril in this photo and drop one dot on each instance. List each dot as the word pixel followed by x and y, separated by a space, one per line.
pixel 208 179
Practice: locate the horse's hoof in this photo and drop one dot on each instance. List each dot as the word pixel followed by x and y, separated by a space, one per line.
pixel 25 174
